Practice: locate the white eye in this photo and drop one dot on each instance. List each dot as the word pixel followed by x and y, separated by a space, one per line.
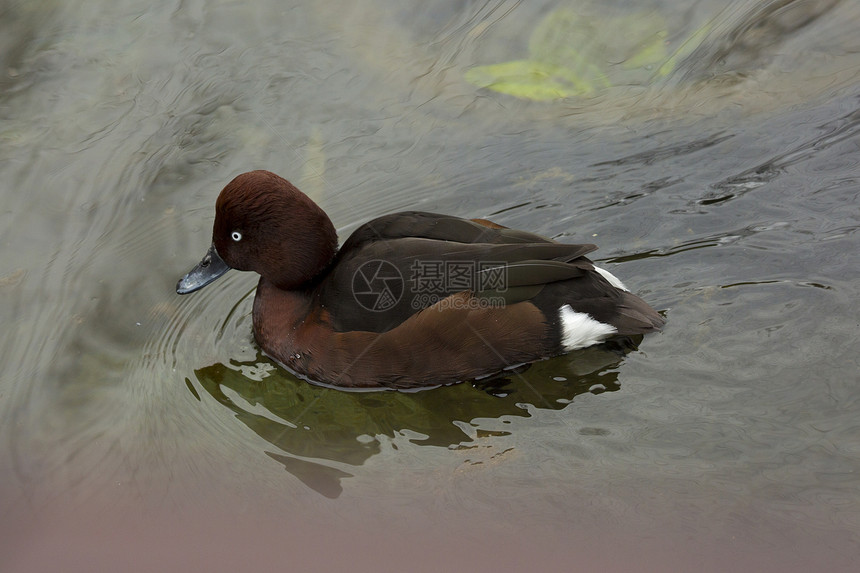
pixel 236 235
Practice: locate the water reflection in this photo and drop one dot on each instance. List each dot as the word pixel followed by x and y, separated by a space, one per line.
pixel 315 429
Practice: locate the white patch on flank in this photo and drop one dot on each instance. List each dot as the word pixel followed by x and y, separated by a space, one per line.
pixel 612 279
pixel 579 330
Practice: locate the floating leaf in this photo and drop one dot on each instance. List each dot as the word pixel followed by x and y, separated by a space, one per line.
pixel 559 65
pixel 570 54
pixel 530 80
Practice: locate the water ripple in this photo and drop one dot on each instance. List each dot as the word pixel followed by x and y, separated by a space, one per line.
pixel 834 132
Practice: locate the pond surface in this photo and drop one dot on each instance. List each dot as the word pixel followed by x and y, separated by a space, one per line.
pixel 711 150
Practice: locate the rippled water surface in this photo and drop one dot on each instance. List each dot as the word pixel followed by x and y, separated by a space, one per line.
pixel 709 148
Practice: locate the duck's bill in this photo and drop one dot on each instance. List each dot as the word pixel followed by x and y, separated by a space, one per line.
pixel 210 268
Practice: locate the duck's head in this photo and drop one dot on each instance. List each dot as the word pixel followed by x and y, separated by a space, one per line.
pixel 264 224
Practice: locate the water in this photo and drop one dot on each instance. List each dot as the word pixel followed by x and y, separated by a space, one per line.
pixel 720 182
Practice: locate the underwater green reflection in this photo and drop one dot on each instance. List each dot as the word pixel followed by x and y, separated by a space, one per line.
pixel 310 424
pixel 579 50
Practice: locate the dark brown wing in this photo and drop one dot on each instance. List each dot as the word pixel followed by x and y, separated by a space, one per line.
pixel 397 265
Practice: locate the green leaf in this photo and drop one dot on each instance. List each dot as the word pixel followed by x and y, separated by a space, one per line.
pixel 530 79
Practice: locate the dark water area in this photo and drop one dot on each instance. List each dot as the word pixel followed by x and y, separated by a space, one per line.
pixel 710 149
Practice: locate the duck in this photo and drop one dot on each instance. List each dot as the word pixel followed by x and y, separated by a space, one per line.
pixel 411 300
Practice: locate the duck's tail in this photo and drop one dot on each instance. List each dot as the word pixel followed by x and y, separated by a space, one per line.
pixel 635 316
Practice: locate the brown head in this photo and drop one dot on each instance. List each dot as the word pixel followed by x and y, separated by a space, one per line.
pixel 265 224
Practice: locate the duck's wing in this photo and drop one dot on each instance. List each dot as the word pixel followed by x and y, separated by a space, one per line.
pixel 418 224
pixel 378 284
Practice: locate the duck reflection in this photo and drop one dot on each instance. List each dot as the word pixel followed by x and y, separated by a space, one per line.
pixel 311 425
